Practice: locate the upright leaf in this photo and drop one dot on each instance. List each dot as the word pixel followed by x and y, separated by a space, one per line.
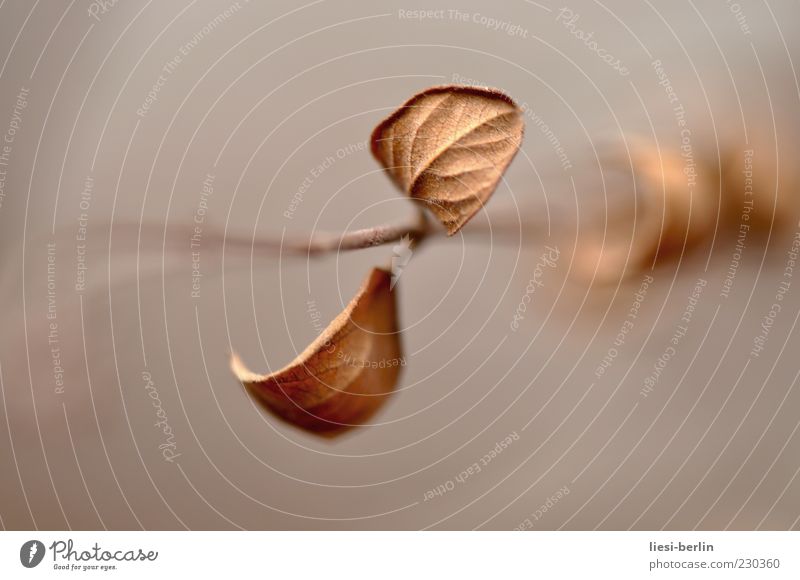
pixel 448 147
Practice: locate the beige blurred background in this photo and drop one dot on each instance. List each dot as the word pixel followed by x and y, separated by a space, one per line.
pixel 251 99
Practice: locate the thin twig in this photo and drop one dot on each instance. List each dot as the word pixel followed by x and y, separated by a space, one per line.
pixel 503 226
pixel 321 242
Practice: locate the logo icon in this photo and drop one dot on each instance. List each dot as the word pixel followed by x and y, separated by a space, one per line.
pixel 31 553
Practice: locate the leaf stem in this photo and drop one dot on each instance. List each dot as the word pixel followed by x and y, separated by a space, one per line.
pixel 417 229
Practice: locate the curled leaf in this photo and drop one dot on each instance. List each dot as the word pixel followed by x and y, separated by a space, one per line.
pixel 346 374
pixel 448 147
pixel 675 209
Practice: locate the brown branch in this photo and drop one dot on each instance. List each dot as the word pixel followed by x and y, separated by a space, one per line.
pixel 417 229
pixel 503 226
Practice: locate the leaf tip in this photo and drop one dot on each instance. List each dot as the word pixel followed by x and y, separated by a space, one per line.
pixel 239 369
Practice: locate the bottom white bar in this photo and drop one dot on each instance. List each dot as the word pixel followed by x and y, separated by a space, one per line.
pixel 355 555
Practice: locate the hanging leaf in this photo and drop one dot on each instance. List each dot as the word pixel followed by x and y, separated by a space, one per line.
pixel 346 374
pixel 448 147
pixel 675 210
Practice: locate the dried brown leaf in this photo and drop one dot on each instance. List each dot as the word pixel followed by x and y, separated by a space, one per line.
pixel 448 147
pixel 670 217
pixel 346 374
